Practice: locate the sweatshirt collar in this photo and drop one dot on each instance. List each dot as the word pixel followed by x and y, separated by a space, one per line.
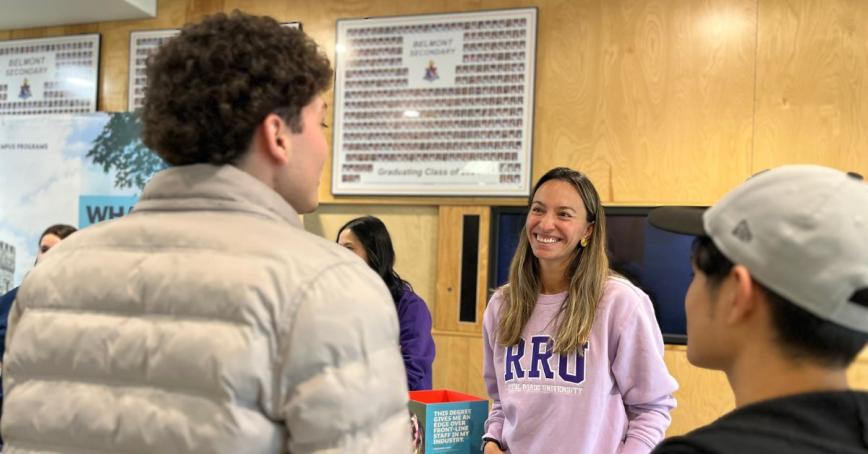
pixel 556 298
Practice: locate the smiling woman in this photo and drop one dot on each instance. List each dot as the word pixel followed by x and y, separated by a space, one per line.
pixel 558 222
pixel 568 339
pixel 563 249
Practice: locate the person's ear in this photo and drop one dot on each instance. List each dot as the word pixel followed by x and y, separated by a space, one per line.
pixel 589 231
pixel 274 137
pixel 743 295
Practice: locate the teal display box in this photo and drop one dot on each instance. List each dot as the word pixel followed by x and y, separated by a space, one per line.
pixel 447 422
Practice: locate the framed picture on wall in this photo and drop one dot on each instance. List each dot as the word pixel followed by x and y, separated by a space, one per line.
pixel 49 75
pixel 142 44
pixel 435 104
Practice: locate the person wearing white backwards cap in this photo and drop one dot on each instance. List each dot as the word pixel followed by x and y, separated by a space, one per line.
pixel 779 302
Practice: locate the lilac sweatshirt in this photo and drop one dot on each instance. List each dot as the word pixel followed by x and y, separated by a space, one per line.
pixel 614 399
pixel 417 344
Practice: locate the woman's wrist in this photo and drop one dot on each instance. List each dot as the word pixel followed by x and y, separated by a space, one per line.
pixel 487 440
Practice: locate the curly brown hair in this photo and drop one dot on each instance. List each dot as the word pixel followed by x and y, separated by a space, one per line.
pixel 210 87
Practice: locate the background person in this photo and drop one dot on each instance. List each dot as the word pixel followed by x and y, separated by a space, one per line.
pixel 779 302
pixel 50 237
pixel 368 238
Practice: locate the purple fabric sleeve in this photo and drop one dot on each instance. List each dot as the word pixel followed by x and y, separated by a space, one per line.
pixel 494 423
pixel 417 344
pixel 645 383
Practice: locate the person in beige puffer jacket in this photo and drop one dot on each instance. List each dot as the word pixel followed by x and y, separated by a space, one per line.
pixel 208 320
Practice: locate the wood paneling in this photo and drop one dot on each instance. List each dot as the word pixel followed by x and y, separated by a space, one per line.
pixel 653 99
pixel 703 395
pixel 458 363
pixel 812 84
pixel 414 236
pixel 857 375
pixel 449 259
pixel 62 30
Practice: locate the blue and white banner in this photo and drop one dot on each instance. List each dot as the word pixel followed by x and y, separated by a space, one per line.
pixel 98 208
pixel 69 169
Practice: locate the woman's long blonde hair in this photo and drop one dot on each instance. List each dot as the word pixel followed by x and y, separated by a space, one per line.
pixel 587 274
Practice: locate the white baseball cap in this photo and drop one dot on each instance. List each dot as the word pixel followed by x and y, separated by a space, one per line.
pixel 801 231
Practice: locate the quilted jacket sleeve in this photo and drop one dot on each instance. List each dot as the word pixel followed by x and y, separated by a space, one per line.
pixel 343 385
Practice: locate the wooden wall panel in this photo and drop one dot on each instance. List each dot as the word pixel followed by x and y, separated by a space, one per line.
pixel 449 260
pixel 61 30
pixel 857 375
pixel 458 363
pixel 812 84
pixel 414 235
pixel 680 118
pixel 653 99
pixel 703 395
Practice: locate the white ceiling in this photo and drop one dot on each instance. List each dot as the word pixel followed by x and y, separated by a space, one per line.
pixel 15 14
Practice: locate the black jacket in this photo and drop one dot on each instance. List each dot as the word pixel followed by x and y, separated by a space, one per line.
pixel 813 423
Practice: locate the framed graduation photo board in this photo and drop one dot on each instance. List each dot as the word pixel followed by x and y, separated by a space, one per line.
pixel 143 44
pixel 435 104
pixel 55 75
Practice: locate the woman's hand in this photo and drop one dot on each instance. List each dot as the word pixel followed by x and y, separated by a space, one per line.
pixel 491 448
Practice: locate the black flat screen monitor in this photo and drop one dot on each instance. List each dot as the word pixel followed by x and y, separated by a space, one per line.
pixel 655 260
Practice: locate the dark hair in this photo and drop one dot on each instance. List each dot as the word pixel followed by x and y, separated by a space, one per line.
pixel 210 87
pixel 381 255
pixel 801 335
pixel 60 230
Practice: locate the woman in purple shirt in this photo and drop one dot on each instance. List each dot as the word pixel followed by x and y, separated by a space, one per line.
pixel 368 238
pixel 572 353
